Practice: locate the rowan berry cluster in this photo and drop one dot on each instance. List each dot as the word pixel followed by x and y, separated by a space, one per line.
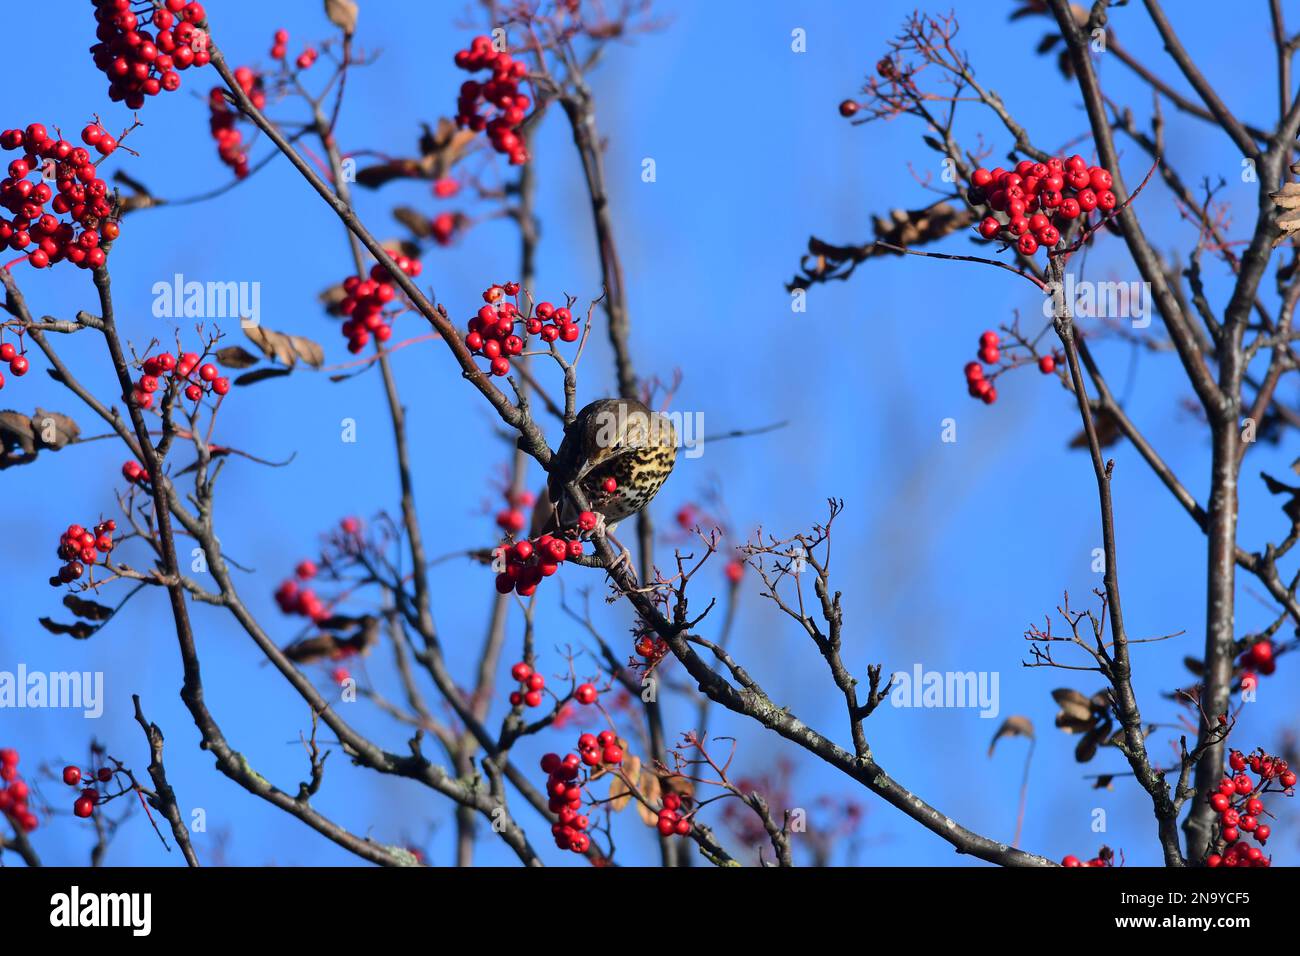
pixel 1240 809
pixel 527 562
pixel 500 91
pixel 1259 657
pixel 979 384
pixel 14 793
pixel 79 547
pixel 1039 201
pixel 85 803
pixel 365 300
pixel 492 330
pixel 602 748
pixel 139 63
pixel 78 191
pixel 222 120
pixel 1105 857
pixel 181 371
pixel 565 795
pixel 18 364
pixel 671 818
pixel 530 686
pixel 491 333
pixel 292 598
pixel 652 648
pixel 280 44
pixel 135 473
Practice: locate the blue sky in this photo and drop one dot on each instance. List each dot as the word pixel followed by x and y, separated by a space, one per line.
pixel 945 552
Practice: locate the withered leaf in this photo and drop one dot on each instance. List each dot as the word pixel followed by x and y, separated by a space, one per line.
pixel 1087 748
pixel 1013 726
pixel 332 298
pixel 649 787
pixel 619 794
pixel 236 356
pixel 342 13
pixel 440 150
pixel 1292 506
pixel 78 629
pixel 330 645
pixel 414 220
pixel 1073 704
pixel 260 375
pixel 676 783
pixel 23 435
pixel 286 349
pixel 87 609
pixel 1108 430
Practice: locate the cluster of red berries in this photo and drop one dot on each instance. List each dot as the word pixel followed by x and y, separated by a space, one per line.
pixel 307 58
pixel 80 192
pixel 135 473
pixel 1258 657
pixel 1039 201
pixel 294 599
pixel 527 562
pixel 181 370
pixel 492 330
pixel 1240 810
pixel 18 364
pixel 80 546
pixel 365 299
pixel 14 793
pixel 1105 857
pixel 501 91
pixel 139 63
pixel 565 795
pixel 280 44
pixel 85 803
pixel 222 120
pixel 530 686
pixel 671 818
pixel 602 748
pixel 652 648
pixel 990 353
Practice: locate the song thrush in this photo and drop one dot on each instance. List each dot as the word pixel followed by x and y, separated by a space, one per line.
pixel 612 438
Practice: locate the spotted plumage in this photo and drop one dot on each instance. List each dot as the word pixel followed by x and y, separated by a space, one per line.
pixel 612 438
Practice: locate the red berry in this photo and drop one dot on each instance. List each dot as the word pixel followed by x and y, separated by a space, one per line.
pixel 1047 365
pixel 585 694
pixel 521 672
pixel 71 776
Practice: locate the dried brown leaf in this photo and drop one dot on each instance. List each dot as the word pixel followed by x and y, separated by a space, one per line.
pixel 1013 726
pixel 78 629
pixel 236 356
pixel 284 348
pixel 343 14
pixel 1073 704
pixel 87 609
pixel 648 784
